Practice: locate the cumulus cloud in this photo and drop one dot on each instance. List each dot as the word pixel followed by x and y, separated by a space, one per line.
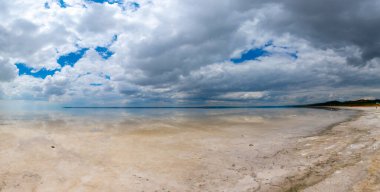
pixel 242 95
pixel 7 70
pixel 181 52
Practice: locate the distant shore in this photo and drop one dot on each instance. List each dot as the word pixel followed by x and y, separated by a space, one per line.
pixel 355 103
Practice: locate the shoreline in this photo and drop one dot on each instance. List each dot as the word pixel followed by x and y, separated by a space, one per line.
pixel 337 168
pixel 191 155
pixel 359 113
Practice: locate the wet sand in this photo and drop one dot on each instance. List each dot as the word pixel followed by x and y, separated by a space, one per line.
pixel 183 155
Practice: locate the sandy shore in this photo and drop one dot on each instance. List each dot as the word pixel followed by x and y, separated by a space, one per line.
pixel 58 156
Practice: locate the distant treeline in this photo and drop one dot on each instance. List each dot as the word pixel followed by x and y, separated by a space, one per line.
pixel 357 103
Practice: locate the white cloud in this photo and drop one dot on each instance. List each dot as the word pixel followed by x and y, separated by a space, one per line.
pixel 179 51
pixel 7 70
pixel 243 95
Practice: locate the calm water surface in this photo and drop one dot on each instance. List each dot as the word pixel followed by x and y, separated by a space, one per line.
pixel 269 118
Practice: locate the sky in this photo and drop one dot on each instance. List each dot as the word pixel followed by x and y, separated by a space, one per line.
pixel 187 53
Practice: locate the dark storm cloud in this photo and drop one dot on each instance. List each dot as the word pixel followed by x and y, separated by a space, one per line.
pixel 206 32
pixel 184 48
pixel 332 24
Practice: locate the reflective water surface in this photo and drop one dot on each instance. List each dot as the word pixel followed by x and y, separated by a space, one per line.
pixel 146 149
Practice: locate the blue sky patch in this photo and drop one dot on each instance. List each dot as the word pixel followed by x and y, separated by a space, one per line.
pixel 288 51
pixel 107 1
pixel 23 69
pixel 269 43
pixel 114 39
pixel 255 54
pixel 96 84
pixel 252 54
pixel 46 5
pixel 62 3
pixel 104 52
pixel 134 6
pixel 294 55
pixel 71 58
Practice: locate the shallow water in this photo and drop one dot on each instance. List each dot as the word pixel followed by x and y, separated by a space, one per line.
pixel 148 149
pixel 266 122
pixel 240 115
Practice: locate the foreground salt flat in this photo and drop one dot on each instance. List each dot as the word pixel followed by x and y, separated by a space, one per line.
pixel 225 154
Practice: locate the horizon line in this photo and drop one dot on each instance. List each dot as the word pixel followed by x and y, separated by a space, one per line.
pixel 181 107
